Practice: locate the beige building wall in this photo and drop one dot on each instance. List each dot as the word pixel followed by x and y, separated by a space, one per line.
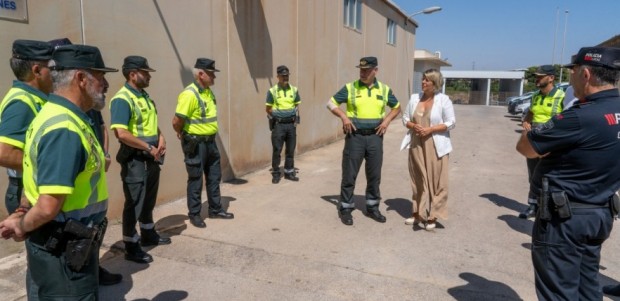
pixel 247 39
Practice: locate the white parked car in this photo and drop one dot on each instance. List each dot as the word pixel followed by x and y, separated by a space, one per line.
pixel 524 107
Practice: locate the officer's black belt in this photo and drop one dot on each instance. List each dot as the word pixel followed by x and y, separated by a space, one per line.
pixel 141 155
pixel 41 235
pixel 365 132
pixel 578 205
pixel 285 120
pixel 202 138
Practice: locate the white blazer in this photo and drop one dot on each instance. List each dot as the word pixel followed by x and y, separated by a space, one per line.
pixel 441 113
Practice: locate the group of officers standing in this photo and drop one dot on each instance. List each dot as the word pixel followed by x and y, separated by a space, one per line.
pixel 54 144
pixel 57 152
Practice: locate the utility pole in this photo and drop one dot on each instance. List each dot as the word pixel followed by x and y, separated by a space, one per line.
pixel 563 42
pixel 555 34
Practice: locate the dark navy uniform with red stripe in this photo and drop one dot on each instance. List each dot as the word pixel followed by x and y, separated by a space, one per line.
pixel 583 143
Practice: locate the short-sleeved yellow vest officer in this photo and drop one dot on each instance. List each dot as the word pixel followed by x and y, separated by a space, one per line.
pixel 33 101
pixel 89 194
pixel 544 107
pixel 283 101
pixel 366 106
pixel 198 108
pixel 143 121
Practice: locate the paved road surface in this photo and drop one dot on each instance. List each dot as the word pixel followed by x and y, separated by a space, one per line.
pixel 287 243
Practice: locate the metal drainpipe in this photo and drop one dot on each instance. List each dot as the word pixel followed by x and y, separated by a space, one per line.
pixel 82 21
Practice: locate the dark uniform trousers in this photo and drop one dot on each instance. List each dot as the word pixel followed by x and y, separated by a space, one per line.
pixel 566 254
pixel 532 195
pixel 283 133
pixel 205 160
pixel 357 148
pixel 13 194
pixel 140 177
pixel 48 276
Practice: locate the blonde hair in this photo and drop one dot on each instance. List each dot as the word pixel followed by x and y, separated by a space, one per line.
pixel 435 77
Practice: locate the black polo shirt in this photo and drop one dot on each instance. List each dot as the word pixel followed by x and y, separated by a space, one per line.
pixel 583 143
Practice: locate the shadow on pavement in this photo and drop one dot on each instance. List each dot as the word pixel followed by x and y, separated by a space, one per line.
pixel 527 245
pixel 358 200
pixel 332 199
pixel 604 280
pixel 513 221
pixel 479 288
pixel 168 296
pixel 504 202
pixel 225 201
pixel 113 261
pixel 401 206
pixel 172 224
pixel 236 181
pixel 517 224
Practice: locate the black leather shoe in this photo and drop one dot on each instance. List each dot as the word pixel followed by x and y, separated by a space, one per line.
pixel 291 176
pixel 197 221
pixel 275 179
pixel 133 252
pixel 221 214
pixel 107 278
pixel 612 290
pixel 151 238
pixel 530 212
pixel 345 216
pixel 376 215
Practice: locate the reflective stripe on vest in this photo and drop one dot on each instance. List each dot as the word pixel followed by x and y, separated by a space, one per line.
pixel 198 108
pixel 365 122
pixel 283 106
pixel 90 194
pixel 34 105
pixel 139 130
pixel 545 107
pixel 203 109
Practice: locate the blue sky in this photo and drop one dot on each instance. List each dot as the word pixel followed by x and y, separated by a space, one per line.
pixel 511 34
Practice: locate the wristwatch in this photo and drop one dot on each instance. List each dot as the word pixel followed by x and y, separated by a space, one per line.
pixel 150 148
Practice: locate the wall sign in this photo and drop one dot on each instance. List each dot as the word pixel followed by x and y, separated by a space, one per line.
pixel 16 10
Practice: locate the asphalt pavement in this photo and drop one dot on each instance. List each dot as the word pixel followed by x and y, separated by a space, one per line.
pixel 287 243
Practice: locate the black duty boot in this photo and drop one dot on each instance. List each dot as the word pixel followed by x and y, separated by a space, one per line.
pixel 374 213
pixel 612 290
pixel 291 176
pixel 133 252
pixel 221 214
pixel 530 212
pixel 197 221
pixel 345 216
pixel 276 178
pixel 151 238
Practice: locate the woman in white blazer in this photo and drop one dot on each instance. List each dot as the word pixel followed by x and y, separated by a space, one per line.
pixel 429 116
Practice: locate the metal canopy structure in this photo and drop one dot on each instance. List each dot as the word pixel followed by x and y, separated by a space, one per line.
pixel 510 84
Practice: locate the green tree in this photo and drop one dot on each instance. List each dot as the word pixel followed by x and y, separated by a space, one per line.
pixel 530 78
